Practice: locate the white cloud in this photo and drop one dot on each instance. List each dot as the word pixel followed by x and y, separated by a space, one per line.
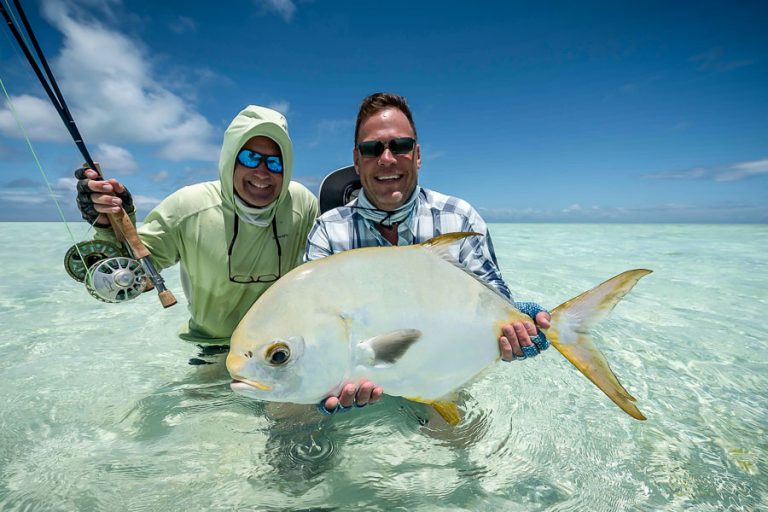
pixel 657 212
pixel 573 208
pixel 285 8
pixel 332 129
pixel 183 24
pixel 743 170
pixel 687 174
pixel 66 184
pixel 281 106
pixel 159 177
pixel 726 173
pixel 21 197
pixel 35 193
pixel 119 160
pixel 431 155
pixel 64 188
pixel 39 118
pixel 145 203
pixel 715 60
pixel 108 84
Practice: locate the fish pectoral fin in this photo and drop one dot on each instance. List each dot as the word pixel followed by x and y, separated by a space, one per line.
pixel 387 348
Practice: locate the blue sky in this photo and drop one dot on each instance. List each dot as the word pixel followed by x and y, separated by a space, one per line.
pixel 533 112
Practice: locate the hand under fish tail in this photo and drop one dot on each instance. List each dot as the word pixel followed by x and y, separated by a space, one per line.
pixel 569 334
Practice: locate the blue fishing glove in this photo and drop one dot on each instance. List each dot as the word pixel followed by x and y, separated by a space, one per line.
pixel 540 341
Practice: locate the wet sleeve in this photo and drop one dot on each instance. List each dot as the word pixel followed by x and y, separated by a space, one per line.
pixel 160 234
pixel 478 256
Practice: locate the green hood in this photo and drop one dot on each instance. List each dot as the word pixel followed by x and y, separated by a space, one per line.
pixel 251 122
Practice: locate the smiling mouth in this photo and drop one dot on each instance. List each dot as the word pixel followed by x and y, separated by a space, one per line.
pixel 260 186
pixel 393 177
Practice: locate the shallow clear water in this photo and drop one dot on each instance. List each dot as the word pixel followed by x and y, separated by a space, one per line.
pixel 100 410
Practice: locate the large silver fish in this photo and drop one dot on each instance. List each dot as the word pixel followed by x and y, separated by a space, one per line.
pixel 406 318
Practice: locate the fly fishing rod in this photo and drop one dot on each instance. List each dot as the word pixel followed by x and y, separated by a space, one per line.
pixel 108 275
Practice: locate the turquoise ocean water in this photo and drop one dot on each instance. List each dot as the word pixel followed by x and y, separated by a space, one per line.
pixel 100 410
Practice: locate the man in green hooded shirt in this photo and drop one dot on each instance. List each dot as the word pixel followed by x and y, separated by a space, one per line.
pixel 232 237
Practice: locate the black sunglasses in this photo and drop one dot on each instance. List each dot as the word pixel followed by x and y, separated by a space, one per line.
pixel 398 146
pixel 267 278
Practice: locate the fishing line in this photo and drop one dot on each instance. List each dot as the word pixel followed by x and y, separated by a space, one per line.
pixel 121 224
pixel 12 108
pixel 48 81
pixel 24 133
pixel 11 44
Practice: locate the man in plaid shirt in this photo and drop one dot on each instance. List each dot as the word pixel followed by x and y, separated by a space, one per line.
pixel 392 209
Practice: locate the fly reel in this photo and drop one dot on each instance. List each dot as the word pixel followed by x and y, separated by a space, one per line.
pixel 80 257
pixel 108 274
pixel 116 279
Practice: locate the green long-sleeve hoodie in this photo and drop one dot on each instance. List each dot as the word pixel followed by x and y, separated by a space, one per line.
pixel 195 225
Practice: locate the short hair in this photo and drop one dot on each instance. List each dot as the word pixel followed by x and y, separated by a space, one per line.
pixel 379 101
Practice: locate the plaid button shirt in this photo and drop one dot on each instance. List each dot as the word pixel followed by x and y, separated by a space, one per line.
pixel 343 228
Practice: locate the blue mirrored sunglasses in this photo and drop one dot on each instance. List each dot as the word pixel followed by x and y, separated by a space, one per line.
pixel 251 159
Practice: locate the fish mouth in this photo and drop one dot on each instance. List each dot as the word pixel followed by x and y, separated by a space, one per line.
pixel 246 385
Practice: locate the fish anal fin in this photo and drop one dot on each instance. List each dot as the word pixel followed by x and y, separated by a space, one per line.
pixel 387 348
pixel 447 409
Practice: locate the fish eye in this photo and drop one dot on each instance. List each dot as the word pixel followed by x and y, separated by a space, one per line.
pixel 278 354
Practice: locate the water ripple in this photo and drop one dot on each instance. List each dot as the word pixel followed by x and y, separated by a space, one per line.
pixel 96 416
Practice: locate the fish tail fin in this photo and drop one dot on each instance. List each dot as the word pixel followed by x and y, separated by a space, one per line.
pixel 569 334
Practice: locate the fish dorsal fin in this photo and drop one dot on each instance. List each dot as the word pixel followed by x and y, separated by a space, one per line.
pixel 385 349
pixel 439 246
pixel 446 408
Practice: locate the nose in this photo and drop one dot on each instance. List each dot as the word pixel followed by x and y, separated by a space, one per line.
pixel 387 158
pixel 261 169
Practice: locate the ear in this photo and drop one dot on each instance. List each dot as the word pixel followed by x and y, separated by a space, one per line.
pixel 356 160
pixel 417 158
